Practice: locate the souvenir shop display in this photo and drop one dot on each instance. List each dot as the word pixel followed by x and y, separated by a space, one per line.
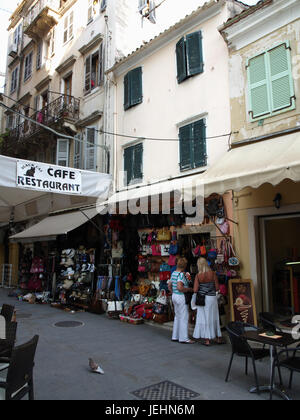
pixel 74 285
pixel 33 274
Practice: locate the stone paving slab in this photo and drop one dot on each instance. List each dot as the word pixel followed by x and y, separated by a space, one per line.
pixel 132 356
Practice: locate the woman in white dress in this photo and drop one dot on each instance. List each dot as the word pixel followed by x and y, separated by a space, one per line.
pixel 178 286
pixel 208 320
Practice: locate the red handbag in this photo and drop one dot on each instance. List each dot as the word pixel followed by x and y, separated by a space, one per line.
pixel 164 275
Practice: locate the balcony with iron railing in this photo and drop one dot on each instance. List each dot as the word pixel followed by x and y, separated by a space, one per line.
pixel 41 18
pixel 63 109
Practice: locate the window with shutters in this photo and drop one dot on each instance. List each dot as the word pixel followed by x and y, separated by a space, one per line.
pixel 28 66
pixel 62 154
pixel 270 81
pixel 192 140
pixel 133 88
pixel 189 54
pixel 68 27
pixel 94 70
pixel 133 164
pixel 14 80
pixel 90 157
pixel 78 155
pixel 39 55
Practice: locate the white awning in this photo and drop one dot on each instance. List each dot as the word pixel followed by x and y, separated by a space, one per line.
pixel 49 228
pixel 25 202
pixel 270 161
pixel 185 185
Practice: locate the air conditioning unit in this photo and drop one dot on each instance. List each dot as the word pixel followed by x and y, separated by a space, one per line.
pixel 13 50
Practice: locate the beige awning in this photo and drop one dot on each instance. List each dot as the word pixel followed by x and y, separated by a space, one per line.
pixel 49 228
pixel 270 161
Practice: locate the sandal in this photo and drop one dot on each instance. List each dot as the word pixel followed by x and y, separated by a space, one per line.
pixel 187 342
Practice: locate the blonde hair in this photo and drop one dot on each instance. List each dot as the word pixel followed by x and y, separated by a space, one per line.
pixel 203 266
pixel 182 263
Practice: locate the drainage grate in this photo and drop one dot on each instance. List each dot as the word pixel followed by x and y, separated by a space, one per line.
pixel 69 324
pixel 168 391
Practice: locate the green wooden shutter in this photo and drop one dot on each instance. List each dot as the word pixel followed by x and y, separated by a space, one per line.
pixel 185 137
pixel 128 164
pixel 281 80
pixel 258 87
pixel 194 52
pixel 136 86
pixel 138 162
pixel 181 60
pixel 199 144
pixel 126 92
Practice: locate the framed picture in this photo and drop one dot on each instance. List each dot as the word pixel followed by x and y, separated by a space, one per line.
pixel 242 301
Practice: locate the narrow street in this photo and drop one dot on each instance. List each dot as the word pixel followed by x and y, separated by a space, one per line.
pixel 132 356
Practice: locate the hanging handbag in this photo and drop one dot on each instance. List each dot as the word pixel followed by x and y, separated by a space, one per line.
pixel 165 267
pixel 164 250
pixel 172 261
pixel 164 235
pixel 164 275
pixel 188 297
pixel 156 250
pixel 173 249
pixel 200 299
pixel 162 298
pixel 233 261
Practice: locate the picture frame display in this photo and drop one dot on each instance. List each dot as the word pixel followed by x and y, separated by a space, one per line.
pixel 242 301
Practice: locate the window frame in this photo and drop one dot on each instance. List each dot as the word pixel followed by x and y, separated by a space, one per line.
pixel 68 32
pixel 14 80
pixel 184 46
pixel 99 72
pixel 133 149
pixel 28 66
pixel 192 162
pixel 272 112
pixel 131 98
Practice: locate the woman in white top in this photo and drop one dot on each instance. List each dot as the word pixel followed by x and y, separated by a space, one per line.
pixel 178 286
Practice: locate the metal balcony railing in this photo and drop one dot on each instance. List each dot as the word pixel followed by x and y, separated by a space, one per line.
pixel 39 6
pixel 63 108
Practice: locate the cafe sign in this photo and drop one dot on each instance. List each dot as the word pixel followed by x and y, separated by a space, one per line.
pixel 48 178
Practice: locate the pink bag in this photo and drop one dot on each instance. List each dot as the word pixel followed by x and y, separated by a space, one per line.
pixel 156 250
pixel 172 260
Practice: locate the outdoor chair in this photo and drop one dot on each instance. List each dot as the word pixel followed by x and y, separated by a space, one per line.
pixel 267 321
pixel 7 345
pixel 7 311
pixel 291 362
pixel 19 380
pixel 241 348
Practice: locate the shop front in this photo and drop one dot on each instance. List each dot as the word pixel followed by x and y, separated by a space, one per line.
pixel 148 244
pixel 29 193
pixel 264 178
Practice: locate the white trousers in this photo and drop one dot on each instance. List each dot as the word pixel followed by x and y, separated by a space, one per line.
pixel 181 320
pixel 208 320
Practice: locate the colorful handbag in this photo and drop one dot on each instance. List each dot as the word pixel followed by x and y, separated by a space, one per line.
pixel 156 250
pixel 173 249
pixel 164 275
pixel 172 261
pixel 164 235
pixel 233 261
pixel 165 267
pixel 165 250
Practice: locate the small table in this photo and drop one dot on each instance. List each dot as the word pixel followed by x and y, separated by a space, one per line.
pixel 285 341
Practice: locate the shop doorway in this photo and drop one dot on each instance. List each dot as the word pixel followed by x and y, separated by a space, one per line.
pixel 280 248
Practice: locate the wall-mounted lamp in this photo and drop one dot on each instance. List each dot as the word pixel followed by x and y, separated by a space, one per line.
pixel 277 201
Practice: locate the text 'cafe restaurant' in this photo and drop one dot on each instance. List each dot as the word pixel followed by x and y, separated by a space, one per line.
pixel 40 206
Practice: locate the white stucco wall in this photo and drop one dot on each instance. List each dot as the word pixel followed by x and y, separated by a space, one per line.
pixel 168 105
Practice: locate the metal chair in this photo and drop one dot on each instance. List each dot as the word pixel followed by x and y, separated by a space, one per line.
pixel 267 321
pixel 241 348
pixel 19 380
pixel 292 363
pixel 7 311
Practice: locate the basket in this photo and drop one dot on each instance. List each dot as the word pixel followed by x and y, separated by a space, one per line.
pixel 135 321
pixel 124 318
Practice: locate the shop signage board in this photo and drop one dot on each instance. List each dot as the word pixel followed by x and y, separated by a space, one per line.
pixel 48 178
pixel 242 301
